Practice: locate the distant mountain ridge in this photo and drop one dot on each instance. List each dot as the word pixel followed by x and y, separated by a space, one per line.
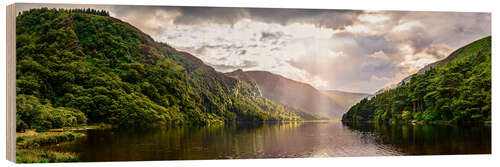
pixel 298 94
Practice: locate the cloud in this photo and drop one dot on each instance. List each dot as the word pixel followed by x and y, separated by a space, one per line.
pixel 204 15
pixel 407 26
pixel 335 19
pixel 377 48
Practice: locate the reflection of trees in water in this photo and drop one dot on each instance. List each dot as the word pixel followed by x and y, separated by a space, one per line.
pixel 247 140
pixel 238 140
pixel 429 139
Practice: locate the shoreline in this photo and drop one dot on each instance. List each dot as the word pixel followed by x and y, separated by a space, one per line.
pixel 29 146
pixel 415 122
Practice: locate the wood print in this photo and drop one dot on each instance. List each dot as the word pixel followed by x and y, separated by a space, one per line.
pixel 97 83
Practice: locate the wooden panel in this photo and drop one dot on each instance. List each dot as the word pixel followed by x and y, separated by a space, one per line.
pixel 11 83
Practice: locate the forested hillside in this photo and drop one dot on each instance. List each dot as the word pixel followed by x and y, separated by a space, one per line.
pixel 82 66
pixel 457 89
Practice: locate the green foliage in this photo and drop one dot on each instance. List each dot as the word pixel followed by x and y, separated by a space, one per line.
pixel 46 138
pixel 406 116
pixel 33 114
pixel 28 147
pixel 44 156
pixel 78 61
pixel 458 90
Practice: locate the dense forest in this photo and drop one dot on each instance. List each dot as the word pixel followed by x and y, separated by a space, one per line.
pixel 82 66
pixel 456 89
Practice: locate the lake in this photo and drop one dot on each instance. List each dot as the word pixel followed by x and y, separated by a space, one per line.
pixel 278 140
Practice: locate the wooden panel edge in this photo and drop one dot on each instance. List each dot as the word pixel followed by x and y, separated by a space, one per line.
pixel 11 83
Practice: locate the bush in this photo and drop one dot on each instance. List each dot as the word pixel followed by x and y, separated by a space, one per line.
pixel 406 115
pixel 40 129
pixel 417 116
pixel 19 139
pixel 33 114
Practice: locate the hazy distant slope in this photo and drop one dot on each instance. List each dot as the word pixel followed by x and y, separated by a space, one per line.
pixel 346 99
pixel 293 93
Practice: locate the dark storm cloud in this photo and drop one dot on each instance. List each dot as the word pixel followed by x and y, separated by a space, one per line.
pixel 185 15
pixel 200 15
pixel 224 15
pixel 336 19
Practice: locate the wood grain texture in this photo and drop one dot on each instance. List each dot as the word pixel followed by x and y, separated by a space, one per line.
pixel 11 83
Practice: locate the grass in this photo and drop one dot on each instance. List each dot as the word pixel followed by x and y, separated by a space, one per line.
pixel 46 138
pixel 28 151
pixel 44 156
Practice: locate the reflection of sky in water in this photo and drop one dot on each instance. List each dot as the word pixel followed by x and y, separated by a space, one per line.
pixel 339 141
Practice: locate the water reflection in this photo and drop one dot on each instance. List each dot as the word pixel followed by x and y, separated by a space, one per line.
pixel 277 140
pixel 430 139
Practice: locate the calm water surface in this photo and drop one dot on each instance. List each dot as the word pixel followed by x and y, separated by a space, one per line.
pixel 278 140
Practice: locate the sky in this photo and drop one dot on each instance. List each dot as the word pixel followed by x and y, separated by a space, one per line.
pixel 348 50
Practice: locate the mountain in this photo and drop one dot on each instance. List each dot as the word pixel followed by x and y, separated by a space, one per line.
pixel 82 66
pixel 455 89
pixel 345 99
pixel 438 63
pixel 293 93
